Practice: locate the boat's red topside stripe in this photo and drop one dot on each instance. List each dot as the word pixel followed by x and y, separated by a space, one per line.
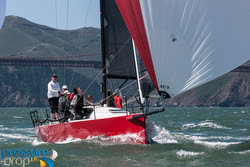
pixel 131 12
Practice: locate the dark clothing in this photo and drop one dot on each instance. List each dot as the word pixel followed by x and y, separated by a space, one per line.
pixel 79 105
pixel 111 101
pixel 77 110
pixel 64 105
pixel 53 103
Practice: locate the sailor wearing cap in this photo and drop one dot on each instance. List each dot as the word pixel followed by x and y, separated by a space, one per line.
pixel 64 88
pixel 53 96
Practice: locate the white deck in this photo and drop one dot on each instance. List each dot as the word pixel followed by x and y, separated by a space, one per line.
pixel 106 112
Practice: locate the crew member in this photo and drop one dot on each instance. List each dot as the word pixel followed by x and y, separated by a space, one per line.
pixel 77 103
pixel 64 87
pixel 118 101
pixel 53 96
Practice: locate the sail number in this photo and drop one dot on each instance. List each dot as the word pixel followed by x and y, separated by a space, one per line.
pixel 164 87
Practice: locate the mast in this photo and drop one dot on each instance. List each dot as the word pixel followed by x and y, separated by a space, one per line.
pixel 104 72
pixel 137 75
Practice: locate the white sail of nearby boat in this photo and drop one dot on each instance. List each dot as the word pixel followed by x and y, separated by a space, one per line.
pixel 2 11
pixel 186 43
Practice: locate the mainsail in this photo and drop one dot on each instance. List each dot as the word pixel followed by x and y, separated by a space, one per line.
pixel 186 43
pixel 118 43
pixel 2 11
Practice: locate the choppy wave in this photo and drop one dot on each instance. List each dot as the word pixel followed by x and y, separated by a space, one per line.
pixel 196 137
pixel 204 124
pixel 17 136
pixel 2 140
pixel 18 117
pixel 184 153
pixel 215 144
pixel 240 152
pixel 159 134
pixel 36 142
pixel 206 137
pixel 70 139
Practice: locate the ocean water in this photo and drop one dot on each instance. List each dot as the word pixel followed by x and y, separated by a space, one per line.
pixel 209 137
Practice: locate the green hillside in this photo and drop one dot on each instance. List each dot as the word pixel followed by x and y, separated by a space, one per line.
pixel 27 86
pixel 22 38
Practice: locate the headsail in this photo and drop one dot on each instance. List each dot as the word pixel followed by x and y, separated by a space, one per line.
pixel 2 11
pixel 187 43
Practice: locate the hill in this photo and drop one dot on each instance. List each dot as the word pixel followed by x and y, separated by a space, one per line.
pixel 229 90
pixel 27 86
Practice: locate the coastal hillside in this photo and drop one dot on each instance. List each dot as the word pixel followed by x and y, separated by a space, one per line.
pixel 229 90
pixel 25 86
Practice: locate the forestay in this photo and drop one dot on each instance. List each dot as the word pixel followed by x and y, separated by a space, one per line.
pixel 2 11
pixel 186 43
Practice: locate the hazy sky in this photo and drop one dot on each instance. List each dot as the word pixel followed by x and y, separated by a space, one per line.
pixel 53 13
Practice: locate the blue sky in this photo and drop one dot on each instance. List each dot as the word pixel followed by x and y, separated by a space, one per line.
pixel 53 13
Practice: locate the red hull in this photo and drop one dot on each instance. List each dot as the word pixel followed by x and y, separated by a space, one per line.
pixel 82 129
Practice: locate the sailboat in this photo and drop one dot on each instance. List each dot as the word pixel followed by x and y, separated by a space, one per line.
pixel 183 44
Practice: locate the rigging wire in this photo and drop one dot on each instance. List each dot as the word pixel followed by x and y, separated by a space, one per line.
pixel 125 87
pixel 106 65
pixel 56 17
pixel 67 17
pixel 85 20
pixel 56 14
pixel 67 23
pixel 86 16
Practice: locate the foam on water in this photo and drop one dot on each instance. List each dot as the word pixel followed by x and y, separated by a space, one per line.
pixel 184 153
pixel 36 142
pixel 214 144
pixel 16 131
pixel 4 128
pixel 159 134
pixel 70 139
pixel 196 137
pixel 18 117
pixel 17 136
pixel 3 140
pixel 240 152
pixel 117 139
pixel 204 124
